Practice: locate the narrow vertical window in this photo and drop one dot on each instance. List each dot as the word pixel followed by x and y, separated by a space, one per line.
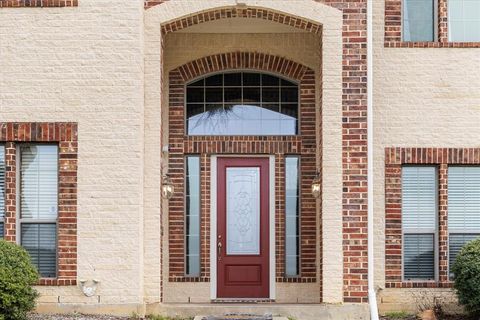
pixel 418 20
pixel 464 20
pixel 2 191
pixel 192 216
pixel 463 208
pixel 419 211
pixel 292 219
pixel 38 205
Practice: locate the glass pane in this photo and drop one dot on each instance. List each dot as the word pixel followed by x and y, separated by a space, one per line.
pixel 251 109
pixel 195 95
pixel 419 257
pixel 233 79
pixel 456 242
pixel 2 185
pixel 251 79
pixel 192 219
pixel 214 81
pixel 40 241
pixel 292 220
pixel 418 20
pixel 39 182
pixel 464 20
pixel 1 230
pixel 243 211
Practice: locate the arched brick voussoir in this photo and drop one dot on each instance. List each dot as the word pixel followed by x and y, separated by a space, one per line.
pixel 233 12
pixel 241 60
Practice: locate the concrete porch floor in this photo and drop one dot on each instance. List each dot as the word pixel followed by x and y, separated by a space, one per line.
pixel 296 311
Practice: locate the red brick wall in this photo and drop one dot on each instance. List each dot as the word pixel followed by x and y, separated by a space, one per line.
pixel 37 3
pixel 393 29
pixel 304 145
pixel 395 158
pixel 65 135
pixel 354 127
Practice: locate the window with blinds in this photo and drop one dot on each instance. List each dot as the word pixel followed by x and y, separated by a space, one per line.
pixel 463 207
pixel 2 191
pixel 419 222
pixel 38 205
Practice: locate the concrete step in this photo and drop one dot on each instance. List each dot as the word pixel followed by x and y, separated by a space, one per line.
pixel 290 311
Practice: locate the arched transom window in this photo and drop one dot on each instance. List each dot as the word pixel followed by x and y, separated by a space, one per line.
pixel 242 103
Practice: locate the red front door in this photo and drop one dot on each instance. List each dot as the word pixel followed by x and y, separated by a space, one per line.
pixel 243 228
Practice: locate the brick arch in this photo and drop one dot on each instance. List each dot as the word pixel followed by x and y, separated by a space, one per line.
pixel 242 60
pixel 304 145
pixel 234 12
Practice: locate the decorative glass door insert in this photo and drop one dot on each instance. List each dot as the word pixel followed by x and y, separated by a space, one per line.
pixel 243 211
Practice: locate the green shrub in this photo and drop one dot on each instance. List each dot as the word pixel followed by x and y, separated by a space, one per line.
pixel 467 277
pixel 17 275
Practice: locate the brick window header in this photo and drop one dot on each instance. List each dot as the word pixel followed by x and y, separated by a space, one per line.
pixel 395 158
pixel 64 134
pixel 393 29
pixel 37 3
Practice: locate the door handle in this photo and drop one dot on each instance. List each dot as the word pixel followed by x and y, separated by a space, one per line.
pixel 219 250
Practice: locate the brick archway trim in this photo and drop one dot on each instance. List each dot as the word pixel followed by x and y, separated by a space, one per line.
pixel 242 60
pixel 233 12
pixel 303 145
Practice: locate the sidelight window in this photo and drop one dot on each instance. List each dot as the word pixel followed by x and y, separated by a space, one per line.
pixel 192 216
pixel 242 103
pixel 292 219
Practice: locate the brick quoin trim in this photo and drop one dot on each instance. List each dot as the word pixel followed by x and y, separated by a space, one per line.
pixel 393 29
pixel 38 3
pixel 395 158
pixel 354 141
pixel 304 144
pixel 65 135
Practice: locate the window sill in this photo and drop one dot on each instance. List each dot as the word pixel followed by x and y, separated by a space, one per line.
pixel 38 3
pixel 429 44
pixel 419 284
pixel 56 282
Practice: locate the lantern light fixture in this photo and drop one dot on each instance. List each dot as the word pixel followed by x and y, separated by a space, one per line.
pixel 316 185
pixel 167 187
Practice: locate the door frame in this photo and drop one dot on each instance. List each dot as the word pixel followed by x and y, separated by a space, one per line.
pixel 213 221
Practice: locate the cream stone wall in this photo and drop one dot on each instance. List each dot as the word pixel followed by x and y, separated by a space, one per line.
pixel 85 64
pixel 422 97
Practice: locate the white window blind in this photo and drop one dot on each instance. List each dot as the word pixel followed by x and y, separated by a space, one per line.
pixel 464 20
pixel 419 211
pixel 2 190
pixel 38 205
pixel 463 207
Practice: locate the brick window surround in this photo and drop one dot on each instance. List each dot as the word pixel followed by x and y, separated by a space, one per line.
pixel 304 144
pixel 395 158
pixel 37 3
pixel 393 29
pixel 65 135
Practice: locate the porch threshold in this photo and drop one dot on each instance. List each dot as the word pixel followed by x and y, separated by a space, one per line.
pixel 312 311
